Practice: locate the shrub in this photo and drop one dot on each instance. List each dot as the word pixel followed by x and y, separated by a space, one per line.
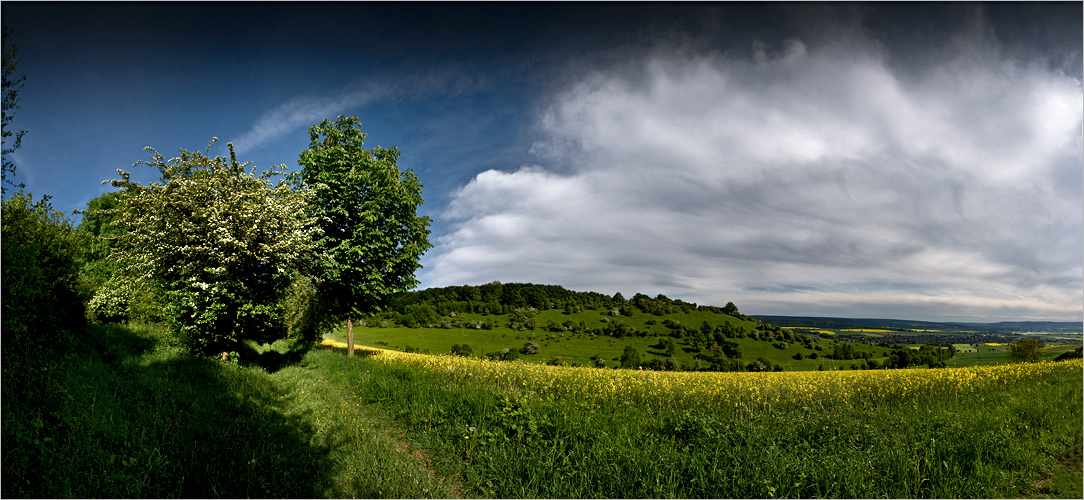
pixel 40 315
pixel 505 354
pixel 529 348
pixel 462 350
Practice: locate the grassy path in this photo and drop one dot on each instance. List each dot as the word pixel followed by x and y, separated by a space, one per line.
pixel 370 457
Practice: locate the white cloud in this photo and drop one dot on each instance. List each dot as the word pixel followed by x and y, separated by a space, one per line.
pixel 812 178
pixel 304 111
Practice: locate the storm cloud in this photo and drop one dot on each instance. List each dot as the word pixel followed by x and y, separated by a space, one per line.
pixel 817 175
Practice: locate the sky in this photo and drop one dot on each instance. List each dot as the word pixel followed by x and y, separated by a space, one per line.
pixel 909 161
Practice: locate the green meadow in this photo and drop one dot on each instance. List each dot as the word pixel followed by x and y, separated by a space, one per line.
pixel 141 419
pixel 577 349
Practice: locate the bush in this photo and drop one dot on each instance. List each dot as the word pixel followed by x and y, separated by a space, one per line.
pixel 462 350
pixel 505 354
pixel 529 348
pixel 41 314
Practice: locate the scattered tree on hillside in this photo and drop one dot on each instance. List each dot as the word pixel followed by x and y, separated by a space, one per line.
pixel 462 350
pixel 630 357
pixel 371 237
pixel 529 348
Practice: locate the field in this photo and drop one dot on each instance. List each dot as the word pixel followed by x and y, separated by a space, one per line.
pixel 142 420
pixel 577 349
pixel 995 355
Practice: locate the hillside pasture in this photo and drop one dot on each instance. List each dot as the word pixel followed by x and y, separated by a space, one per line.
pixel 577 349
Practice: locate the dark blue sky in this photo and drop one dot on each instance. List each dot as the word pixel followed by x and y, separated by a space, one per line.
pixel 896 160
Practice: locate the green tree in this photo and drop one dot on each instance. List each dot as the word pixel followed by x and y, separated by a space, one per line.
pixel 101 277
pixel 10 104
pixel 462 350
pixel 41 316
pixel 630 358
pixel 371 237
pixel 1025 350
pixel 670 346
pixel 223 244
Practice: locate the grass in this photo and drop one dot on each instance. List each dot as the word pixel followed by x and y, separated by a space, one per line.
pixel 995 355
pixel 577 349
pixel 142 420
pixel 525 431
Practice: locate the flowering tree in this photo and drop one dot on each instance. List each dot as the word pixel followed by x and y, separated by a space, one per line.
pixel 371 236
pixel 219 242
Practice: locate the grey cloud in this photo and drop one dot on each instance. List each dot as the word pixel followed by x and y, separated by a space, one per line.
pixel 804 176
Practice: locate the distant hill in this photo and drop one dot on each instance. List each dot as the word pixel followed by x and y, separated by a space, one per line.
pixel 1036 326
pixel 906 325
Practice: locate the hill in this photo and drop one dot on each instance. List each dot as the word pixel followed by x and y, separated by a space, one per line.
pixel 550 324
pixel 1033 326
pixel 902 325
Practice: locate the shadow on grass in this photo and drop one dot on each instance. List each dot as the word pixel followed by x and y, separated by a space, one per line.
pixel 142 420
pixel 275 357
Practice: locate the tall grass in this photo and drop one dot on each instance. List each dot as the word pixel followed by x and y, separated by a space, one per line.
pixel 142 420
pixel 522 438
pixel 138 419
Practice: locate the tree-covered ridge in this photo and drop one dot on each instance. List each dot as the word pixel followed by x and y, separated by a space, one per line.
pixel 505 298
pixel 658 333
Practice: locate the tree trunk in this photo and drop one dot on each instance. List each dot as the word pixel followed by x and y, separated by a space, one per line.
pixel 349 337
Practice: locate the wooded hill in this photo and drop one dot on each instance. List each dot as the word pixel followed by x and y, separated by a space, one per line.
pixel 641 332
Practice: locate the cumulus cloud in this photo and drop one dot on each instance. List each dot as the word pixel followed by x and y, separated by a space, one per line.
pixel 798 179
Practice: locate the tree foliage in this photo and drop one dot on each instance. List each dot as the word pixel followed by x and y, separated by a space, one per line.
pixel 630 357
pixel 221 243
pixel 111 291
pixel 1025 350
pixel 371 237
pixel 529 348
pixel 10 104
pixel 41 316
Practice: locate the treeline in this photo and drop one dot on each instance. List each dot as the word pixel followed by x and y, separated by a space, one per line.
pixel 947 338
pixel 431 306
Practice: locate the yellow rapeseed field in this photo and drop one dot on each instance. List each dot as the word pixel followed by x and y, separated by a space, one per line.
pixel 720 390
